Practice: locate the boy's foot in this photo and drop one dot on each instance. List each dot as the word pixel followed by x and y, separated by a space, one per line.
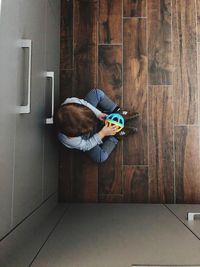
pixel 129 114
pixel 125 132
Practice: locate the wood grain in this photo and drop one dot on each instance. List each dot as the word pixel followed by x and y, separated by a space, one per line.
pixel 135 184
pixel 110 71
pixel 65 174
pixel 173 94
pixel 85 42
pixel 135 8
pixel 66 25
pixel 185 62
pixel 161 157
pixel 110 21
pixel 66 48
pixel 85 178
pixel 187 164
pixel 160 66
pixel 66 35
pixel 160 102
pixel 110 173
pixel 66 84
pixel 66 155
pixel 135 87
pixel 110 80
pixel 85 172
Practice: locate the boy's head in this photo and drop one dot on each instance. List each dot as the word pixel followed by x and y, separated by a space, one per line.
pixel 74 119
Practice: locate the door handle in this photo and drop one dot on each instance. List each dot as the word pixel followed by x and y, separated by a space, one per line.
pixel 27 44
pixel 191 215
pixel 50 74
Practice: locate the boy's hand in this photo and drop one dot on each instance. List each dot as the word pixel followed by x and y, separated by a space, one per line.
pixel 107 131
pixel 102 116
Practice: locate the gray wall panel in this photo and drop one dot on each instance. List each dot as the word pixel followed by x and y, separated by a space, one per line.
pixel 30 127
pixel 52 57
pixel 8 79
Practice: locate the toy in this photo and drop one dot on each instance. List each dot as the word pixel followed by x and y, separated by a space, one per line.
pixel 115 119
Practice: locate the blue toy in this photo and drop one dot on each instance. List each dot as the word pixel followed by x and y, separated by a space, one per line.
pixel 115 119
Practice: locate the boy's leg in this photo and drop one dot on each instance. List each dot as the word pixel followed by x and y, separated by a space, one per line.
pixel 101 153
pixel 98 97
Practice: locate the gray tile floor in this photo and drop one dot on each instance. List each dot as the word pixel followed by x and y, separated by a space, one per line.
pixel 22 245
pixel 119 235
pixel 181 211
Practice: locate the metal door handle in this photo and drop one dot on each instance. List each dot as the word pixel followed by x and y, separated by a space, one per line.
pixel 191 215
pixel 50 74
pixel 27 44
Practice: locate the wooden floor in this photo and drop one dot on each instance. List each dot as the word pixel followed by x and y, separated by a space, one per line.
pixel 144 55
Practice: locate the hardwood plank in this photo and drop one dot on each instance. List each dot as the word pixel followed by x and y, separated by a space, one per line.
pixel 160 102
pixel 66 155
pixel 66 34
pixel 66 54
pixel 85 172
pixel 161 156
pixel 110 80
pixel 78 177
pixel 66 25
pixel 110 173
pixel 110 71
pixel 110 21
pixel 185 62
pixel 85 178
pixel 135 8
pixel 134 88
pixel 66 83
pixel 85 24
pixel 78 181
pixel 85 71
pixel 135 184
pixel 65 174
pixel 85 51
pixel 160 64
pixel 187 164
pixel 198 19
pixel 66 62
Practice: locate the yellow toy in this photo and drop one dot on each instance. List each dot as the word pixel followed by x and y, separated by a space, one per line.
pixel 115 119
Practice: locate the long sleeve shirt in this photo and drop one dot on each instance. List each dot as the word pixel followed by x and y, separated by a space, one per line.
pixel 79 142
